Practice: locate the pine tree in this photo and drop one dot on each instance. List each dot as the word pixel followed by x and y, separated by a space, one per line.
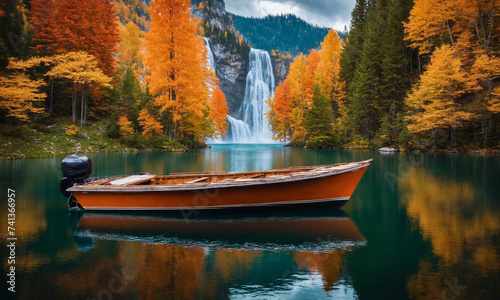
pixel 352 49
pixel 395 70
pixel 365 91
pixel 319 119
pixel 14 35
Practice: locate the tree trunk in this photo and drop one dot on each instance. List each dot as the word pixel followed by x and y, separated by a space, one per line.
pixel 73 102
pixel 85 107
pixel 449 32
pixel 82 111
pixel 51 95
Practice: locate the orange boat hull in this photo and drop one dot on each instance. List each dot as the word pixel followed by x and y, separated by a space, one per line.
pixel 336 189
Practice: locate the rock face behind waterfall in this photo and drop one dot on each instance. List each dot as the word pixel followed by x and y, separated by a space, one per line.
pixel 231 71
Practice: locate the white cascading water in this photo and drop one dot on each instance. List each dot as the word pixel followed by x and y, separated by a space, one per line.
pixel 253 126
pixel 210 55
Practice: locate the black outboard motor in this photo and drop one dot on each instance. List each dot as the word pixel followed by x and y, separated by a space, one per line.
pixel 76 169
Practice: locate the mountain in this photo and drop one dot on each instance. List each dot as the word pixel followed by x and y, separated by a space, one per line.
pixel 284 33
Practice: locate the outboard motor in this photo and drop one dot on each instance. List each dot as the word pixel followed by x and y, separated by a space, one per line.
pixel 76 169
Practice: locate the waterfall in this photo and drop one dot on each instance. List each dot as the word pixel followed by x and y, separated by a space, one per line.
pixel 253 127
pixel 210 55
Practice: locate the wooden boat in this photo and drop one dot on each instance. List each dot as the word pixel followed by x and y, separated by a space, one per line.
pixel 327 184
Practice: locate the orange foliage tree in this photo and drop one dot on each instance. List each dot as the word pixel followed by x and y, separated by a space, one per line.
pixel 72 26
pixel 218 112
pixel 178 73
pixel 150 126
pixel 126 130
pixel 293 97
pixel 280 111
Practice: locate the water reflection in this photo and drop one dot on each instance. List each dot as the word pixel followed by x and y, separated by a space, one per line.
pixel 464 232
pixel 219 256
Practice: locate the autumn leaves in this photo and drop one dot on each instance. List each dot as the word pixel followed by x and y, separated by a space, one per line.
pixel 458 89
pixel 309 102
pixel 179 74
pixel 156 84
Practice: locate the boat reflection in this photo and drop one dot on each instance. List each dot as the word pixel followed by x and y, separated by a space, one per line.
pixel 212 256
pixel 310 230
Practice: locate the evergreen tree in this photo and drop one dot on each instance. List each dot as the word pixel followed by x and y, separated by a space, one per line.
pixel 354 43
pixel 365 90
pixel 319 117
pixel 14 37
pixel 395 79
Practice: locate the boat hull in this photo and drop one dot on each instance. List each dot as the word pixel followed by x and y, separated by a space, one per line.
pixel 333 189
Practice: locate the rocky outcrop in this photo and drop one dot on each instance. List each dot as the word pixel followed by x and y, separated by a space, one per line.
pixel 215 15
pixel 281 63
pixel 231 71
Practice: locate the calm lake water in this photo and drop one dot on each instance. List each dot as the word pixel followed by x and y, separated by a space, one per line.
pixel 417 226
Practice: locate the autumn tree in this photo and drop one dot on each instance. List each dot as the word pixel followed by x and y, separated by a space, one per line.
pixel 150 126
pixel 126 128
pixel 82 70
pixel 130 50
pixel 331 86
pixel 19 95
pixel 178 73
pixel 92 28
pixel 218 112
pixel 435 101
pixel 280 112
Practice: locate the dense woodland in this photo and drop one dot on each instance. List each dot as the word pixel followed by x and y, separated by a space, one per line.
pixel 284 33
pixel 420 74
pixel 96 66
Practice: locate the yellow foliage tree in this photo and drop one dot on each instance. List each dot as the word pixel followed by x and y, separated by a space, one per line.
pixel 19 95
pixel 130 50
pixel 435 100
pixel 82 70
pixel 150 126
pixel 329 70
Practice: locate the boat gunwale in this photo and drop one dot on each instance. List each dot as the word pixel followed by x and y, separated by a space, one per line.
pixel 85 188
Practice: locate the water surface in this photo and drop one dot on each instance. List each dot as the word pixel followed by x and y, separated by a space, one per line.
pixel 417 226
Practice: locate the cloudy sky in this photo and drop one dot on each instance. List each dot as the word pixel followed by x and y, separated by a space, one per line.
pixel 327 13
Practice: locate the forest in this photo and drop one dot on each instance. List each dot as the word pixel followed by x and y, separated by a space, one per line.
pixel 283 33
pixel 111 66
pixel 416 75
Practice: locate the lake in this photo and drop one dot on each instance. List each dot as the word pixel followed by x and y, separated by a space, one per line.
pixel 417 226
